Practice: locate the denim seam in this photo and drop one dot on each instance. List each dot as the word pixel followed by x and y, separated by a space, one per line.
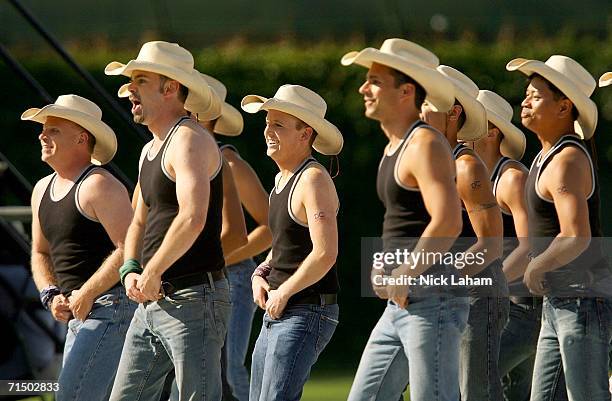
pixel 441 309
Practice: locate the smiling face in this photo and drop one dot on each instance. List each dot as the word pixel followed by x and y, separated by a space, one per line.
pixel 381 94
pixel 285 135
pixel 60 138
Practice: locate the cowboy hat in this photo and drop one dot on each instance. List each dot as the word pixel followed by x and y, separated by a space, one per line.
pixel 499 113
pixel 174 62
pixel 230 122
pixel 84 113
pixel 305 105
pixel 572 80
pixel 413 60
pixel 466 91
pixel 605 79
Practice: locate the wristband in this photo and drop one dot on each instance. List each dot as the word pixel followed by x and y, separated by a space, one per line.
pixel 129 266
pixel 263 270
pixel 47 294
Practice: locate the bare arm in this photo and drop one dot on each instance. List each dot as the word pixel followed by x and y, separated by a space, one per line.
pixel 511 195
pixel 255 200
pixel 233 227
pixel 475 190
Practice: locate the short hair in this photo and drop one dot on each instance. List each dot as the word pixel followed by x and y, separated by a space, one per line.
pixel 183 91
pixel 401 78
pixel 299 124
pixel 557 94
pixel 91 142
pixel 462 116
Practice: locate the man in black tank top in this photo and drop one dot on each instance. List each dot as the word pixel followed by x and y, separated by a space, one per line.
pixel 500 150
pixel 174 260
pixel 466 122
pixel 564 226
pixel 80 215
pixel 416 340
pixel 297 283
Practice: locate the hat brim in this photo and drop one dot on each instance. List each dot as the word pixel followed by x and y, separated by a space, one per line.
pixel 439 90
pixel 514 143
pixel 605 79
pixel 201 97
pixel 587 110
pixel 230 123
pixel 106 141
pixel 329 140
pixel 475 125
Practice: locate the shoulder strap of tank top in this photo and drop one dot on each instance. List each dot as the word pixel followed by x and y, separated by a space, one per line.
pixel 167 142
pixel 296 177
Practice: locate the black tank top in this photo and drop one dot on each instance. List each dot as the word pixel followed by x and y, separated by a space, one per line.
pixel 78 245
pixel 466 231
pixel 159 195
pixel 291 240
pixel 405 216
pixel 507 220
pixel 544 225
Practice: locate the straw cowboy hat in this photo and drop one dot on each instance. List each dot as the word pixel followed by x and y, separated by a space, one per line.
pixel 413 60
pixel 466 92
pixel 174 62
pixel 305 105
pixel 230 123
pixel 605 79
pixel 499 113
pixel 84 113
pixel 572 79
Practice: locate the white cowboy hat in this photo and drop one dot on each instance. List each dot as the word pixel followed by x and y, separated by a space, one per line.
pixel 572 79
pixel 305 105
pixel 605 79
pixel 499 113
pixel 84 113
pixel 413 60
pixel 230 123
pixel 466 92
pixel 174 62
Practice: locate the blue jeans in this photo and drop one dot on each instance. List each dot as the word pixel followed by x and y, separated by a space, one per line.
pixel 184 331
pixel 287 348
pixel 417 345
pixel 479 377
pixel 93 348
pixel 239 329
pixel 574 341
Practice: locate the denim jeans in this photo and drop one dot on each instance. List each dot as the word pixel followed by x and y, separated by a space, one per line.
pixel 235 374
pixel 184 331
pixel 574 340
pixel 518 348
pixel 479 377
pixel 287 348
pixel 417 345
pixel 93 348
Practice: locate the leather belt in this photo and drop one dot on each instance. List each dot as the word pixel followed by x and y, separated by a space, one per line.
pixel 172 285
pixel 315 299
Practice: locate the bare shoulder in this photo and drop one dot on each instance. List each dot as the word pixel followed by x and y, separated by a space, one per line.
pixel 39 189
pixel 100 182
pixel 470 167
pixel 568 158
pixel 513 177
pixel 233 158
pixel 316 175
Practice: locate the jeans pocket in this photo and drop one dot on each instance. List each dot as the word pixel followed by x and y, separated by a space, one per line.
pixel 327 327
pixel 221 313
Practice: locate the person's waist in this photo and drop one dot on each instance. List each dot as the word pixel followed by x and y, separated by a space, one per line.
pixel 528 301
pixel 173 284
pixel 313 299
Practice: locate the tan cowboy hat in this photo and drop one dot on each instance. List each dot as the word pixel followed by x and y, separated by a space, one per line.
pixel 413 60
pixel 572 79
pixel 229 124
pixel 605 79
pixel 305 105
pixel 499 113
pixel 174 62
pixel 466 92
pixel 84 113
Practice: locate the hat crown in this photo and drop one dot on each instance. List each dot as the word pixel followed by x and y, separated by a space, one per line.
pixel 302 97
pixel 410 51
pixel 573 71
pixel 496 104
pixel 165 53
pixel 459 79
pixel 216 85
pixel 80 104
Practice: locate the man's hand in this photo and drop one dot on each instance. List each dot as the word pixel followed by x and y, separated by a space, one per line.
pixel 380 290
pixel 131 289
pixel 149 285
pixel 277 301
pixel 260 291
pixel 60 308
pixel 534 280
pixel 398 293
pixel 80 304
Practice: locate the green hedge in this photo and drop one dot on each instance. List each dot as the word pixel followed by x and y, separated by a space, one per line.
pixel 260 70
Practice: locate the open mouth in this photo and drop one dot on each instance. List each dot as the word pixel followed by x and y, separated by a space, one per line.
pixel 136 106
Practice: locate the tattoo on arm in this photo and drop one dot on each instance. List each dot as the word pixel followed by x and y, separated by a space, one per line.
pixel 319 216
pixel 475 185
pixel 562 190
pixel 482 207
